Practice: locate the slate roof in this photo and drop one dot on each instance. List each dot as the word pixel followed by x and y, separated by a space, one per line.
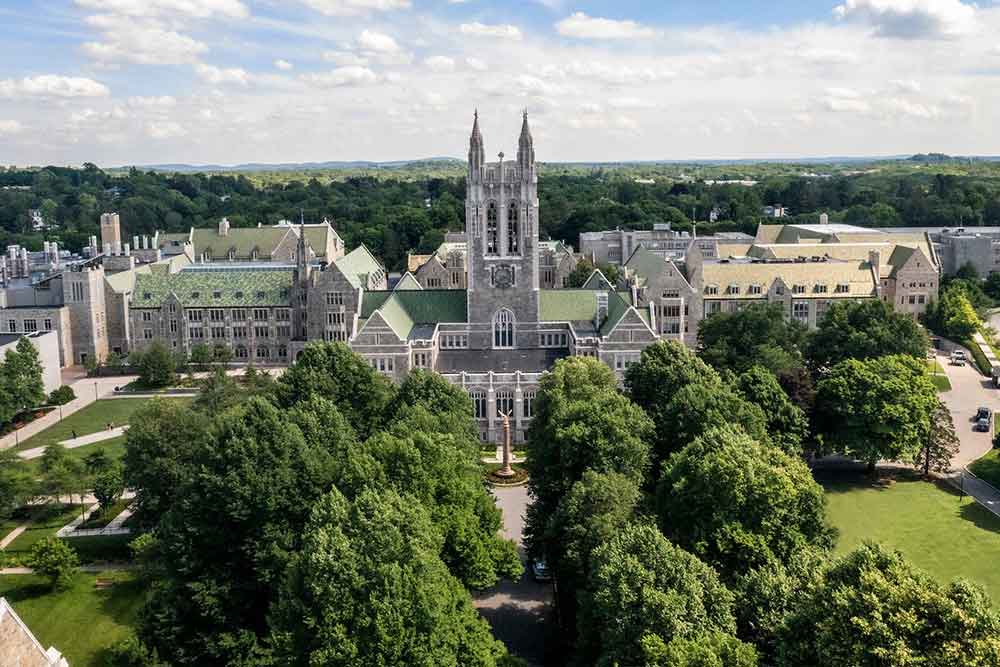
pixel 580 305
pixel 242 239
pixel 597 281
pixel 407 282
pixel 744 274
pixel 196 288
pixel 357 265
pixel 407 311
pixel 646 263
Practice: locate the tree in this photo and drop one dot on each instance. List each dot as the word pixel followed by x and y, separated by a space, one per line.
pixel 62 395
pixel 953 314
pixel 201 355
pixel 97 461
pixel 862 330
pixel 432 391
pixel 219 392
pixel 156 365
pixel 582 424
pixel 873 608
pixel 578 276
pixel 108 486
pixel 333 371
pixel 942 444
pixel 641 586
pixel 54 559
pixel 786 423
pixel 876 409
pixel 760 335
pixel 23 376
pixel 16 485
pixel 368 588
pixel 737 504
pixel 711 649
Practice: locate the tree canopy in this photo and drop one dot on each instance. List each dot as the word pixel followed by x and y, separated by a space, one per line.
pixel 759 335
pixel 862 330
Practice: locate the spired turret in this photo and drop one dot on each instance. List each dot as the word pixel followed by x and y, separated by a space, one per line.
pixel 525 149
pixel 477 154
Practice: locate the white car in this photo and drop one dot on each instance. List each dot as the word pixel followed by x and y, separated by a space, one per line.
pixel 958 358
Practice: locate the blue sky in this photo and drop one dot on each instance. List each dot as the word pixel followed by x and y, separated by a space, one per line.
pixel 226 81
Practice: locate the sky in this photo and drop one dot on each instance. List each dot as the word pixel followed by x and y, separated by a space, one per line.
pixel 123 82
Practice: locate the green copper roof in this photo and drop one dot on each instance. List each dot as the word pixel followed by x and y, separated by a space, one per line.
pixel 403 310
pixel 645 263
pixel 242 240
pixel 407 282
pixel 617 307
pixel 357 265
pixel 567 305
pixel 216 287
pixel 597 281
pixel 372 300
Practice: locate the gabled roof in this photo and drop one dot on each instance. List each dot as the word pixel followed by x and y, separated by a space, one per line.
pixel 646 264
pixel 241 240
pixel 357 265
pixel 405 310
pixel 407 282
pixel 414 262
pixel 124 281
pixel 857 275
pixel 197 288
pixel 597 281
pixel 580 305
pixel 19 646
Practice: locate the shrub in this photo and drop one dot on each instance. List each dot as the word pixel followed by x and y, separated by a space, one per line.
pixel 62 395
pixel 54 559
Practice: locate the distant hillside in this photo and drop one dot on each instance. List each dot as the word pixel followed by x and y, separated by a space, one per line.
pixel 296 166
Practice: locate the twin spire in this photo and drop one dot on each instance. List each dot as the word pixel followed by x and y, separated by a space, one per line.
pixel 525 144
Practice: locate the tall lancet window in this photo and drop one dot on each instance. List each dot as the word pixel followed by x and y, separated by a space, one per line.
pixel 513 230
pixel 503 328
pixel 492 240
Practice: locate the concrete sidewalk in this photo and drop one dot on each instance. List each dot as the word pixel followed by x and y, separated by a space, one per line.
pixel 73 443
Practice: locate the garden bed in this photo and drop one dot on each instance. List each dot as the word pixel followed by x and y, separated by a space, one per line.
pixel 24 419
pixel 101 519
pixel 490 473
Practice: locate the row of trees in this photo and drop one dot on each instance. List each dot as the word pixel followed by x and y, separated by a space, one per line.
pixel 684 528
pixel 326 518
pixel 395 215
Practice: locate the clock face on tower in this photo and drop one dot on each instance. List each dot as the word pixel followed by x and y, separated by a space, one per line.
pixel 503 276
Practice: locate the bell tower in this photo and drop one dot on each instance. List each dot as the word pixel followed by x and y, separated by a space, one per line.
pixel 501 226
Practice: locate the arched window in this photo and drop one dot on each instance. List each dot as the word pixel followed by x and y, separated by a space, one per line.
pixel 492 241
pixel 513 230
pixel 503 328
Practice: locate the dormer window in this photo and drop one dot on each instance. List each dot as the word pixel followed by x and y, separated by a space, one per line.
pixel 712 290
pixel 755 289
pixel 216 294
pixel 820 289
pixel 260 294
pixel 842 288
pixel 239 295
pixel 147 296
pixel 195 295
pixel 733 289
pixel 798 289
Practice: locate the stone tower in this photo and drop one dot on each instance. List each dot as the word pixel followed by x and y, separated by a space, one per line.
pixel 111 231
pixel 300 286
pixel 501 225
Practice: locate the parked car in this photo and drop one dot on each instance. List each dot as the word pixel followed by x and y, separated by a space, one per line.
pixel 540 571
pixel 958 358
pixel 984 413
pixel 982 425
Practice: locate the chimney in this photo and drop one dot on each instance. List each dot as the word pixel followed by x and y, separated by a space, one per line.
pixel 224 227
pixel 875 259
pixel 602 309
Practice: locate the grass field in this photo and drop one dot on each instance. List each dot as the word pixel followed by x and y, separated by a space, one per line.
pixel 114 447
pixel 988 468
pixel 91 419
pixel 100 519
pixel 46 521
pixel 940 532
pixel 938 377
pixel 81 621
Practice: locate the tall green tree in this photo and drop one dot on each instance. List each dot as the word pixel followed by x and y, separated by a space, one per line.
pixel 786 422
pixel 862 330
pixel 876 409
pixel 942 443
pixel 873 608
pixel 641 586
pixel 54 559
pixel 333 371
pixel 368 588
pixel 759 335
pixel 23 376
pixel 157 366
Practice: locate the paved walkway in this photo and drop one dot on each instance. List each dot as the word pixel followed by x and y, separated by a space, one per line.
pixel 73 443
pixel 94 568
pixel 12 535
pixel 114 527
pixel 87 390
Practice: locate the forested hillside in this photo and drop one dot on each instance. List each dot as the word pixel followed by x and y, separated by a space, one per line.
pixel 395 212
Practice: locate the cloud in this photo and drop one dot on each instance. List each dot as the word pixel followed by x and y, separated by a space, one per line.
pixel 162 102
pixel 8 127
pixel 344 58
pixel 500 30
pixel 440 63
pixel 604 72
pixel 141 42
pixel 283 65
pixel 218 75
pixel 52 85
pixel 165 129
pixel 841 100
pixel 377 42
pixel 342 76
pixel 375 46
pixel 906 86
pixel 911 19
pixel 581 26
pixel 355 7
pixel 155 8
pixel 476 64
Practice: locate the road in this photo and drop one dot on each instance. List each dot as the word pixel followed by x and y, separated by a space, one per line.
pixel 519 612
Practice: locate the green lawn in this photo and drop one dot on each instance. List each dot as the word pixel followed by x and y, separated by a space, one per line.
pixel 940 532
pixel 46 521
pixel 81 621
pixel 938 377
pixel 91 419
pixel 101 519
pixel 115 448
pixel 988 468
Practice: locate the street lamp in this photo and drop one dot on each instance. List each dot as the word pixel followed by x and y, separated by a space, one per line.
pixel 95 391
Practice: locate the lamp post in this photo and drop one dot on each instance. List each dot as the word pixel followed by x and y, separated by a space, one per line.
pixel 95 391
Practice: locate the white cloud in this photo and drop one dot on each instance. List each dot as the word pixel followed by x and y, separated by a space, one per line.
pixel 840 100
pixel 610 73
pixel 161 102
pixel 8 127
pixel 476 64
pixel 342 76
pixel 906 86
pixel 344 58
pixel 379 47
pixel 911 19
pixel 142 42
pixel 598 121
pixel 166 129
pixel 440 63
pixel 355 7
pixel 283 65
pixel 378 42
pixel 581 26
pixel 185 8
pixel 52 85
pixel 219 75
pixel 500 30
pixel 897 106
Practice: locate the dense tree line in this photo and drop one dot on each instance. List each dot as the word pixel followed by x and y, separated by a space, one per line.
pixel 394 215
pixel 324 518
pixel 699 536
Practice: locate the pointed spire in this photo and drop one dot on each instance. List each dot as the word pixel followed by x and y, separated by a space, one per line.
pixel 525 145
pixel 301 251
pixel 477 155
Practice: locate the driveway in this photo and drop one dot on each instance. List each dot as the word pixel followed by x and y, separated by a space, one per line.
pixel 969 390
pixel 519 612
